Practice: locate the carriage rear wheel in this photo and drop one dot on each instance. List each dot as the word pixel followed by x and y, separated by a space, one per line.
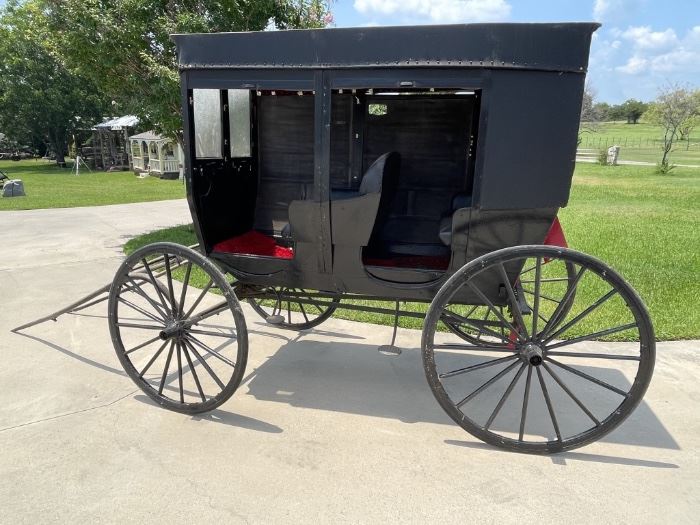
pixel 535 381
pixel 293 308
pixel 178 328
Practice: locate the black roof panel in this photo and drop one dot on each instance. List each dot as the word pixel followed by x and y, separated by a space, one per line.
pixel 549 47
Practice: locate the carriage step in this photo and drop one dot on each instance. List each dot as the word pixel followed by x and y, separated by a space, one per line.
pixel 390 350
pixel 274 319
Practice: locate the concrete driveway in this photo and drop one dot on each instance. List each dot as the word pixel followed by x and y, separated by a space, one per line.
pixel 324 429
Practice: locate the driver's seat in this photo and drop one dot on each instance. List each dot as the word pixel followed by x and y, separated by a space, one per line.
pixel 358 218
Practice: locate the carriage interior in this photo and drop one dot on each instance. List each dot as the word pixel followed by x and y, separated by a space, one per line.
pixel 401 163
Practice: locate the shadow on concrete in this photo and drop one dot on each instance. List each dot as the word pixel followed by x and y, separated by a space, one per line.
pixel 69 353
pixel 562 457
pixel 226 418
pixel 356 378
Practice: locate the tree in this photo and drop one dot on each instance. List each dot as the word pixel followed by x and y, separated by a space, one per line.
pixel 689 124
pixel 125 46
pixel 674 106
pixel 602 111
pixel 41 101
pixel 632 110
pixel 589 118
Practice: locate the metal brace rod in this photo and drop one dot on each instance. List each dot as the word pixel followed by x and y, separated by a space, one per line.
pixel 90 299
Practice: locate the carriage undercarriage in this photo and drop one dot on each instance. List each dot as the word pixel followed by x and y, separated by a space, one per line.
pixel 516 374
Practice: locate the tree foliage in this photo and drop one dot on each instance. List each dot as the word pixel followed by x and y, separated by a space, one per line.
pixel 630 110
pixel 42 102
pixel 124 46
pixel 675 108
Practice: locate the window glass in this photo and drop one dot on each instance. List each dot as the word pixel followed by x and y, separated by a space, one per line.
pixel 207 123
pixel 239 121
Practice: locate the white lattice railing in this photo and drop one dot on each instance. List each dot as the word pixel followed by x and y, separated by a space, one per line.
pixel 164 166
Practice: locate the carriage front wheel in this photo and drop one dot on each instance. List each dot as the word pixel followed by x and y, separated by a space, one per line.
pixel 178 328
pixel 556 364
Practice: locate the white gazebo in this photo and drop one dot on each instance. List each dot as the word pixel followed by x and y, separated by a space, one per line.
pixel 156 155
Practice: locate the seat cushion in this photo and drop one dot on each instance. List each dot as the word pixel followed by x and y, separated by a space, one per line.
pixel 254 243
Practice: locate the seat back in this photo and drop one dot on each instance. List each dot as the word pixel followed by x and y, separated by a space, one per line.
pixel 357 218
pixel 382 177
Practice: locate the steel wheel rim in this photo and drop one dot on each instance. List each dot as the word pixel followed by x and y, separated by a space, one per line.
pixel 517 372
pixel 183 361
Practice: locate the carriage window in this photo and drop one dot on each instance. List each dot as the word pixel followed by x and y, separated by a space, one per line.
pixel 207 123
pixel 239 121
pixel 377 109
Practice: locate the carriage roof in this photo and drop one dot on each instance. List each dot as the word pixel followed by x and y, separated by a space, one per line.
pixel 545 47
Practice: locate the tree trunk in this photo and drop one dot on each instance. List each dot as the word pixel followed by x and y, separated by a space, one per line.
pixel 60 146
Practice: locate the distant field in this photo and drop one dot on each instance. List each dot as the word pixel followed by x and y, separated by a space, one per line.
pixel 48 186
pixel 646 226
pixel 640 142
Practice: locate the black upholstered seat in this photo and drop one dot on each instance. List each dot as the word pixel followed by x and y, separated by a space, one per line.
pixel 356 215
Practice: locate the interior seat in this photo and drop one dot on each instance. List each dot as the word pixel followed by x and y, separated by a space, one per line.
pixel 356 215
pixel 461 200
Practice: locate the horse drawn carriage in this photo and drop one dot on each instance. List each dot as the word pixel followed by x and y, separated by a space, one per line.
pixel 339 168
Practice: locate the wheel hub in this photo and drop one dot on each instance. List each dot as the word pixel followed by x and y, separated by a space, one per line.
pixel 533 354
pixel 172 330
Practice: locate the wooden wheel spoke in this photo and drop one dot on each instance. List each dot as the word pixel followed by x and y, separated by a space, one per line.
pixel 141 326
pixel 166 367
pixel 199 299
pixel 475 324
pixel 526 398
pixel 471 348
pixel 185 283
pixel 536 306
pixel 588 377
pixel 492 308
pixel 594 335
pixel 487 384
pixel 213 334
pixel 548 401
pixel 154 282
pixel 206 366
pixel 581 316
pixel 514 306
pixel 140 310
pixel 570 394
pixel 209 350
pixel 194 373
pixel 168 272
pixel 303 312
pixel 586 355
pixel 554 318
pixel 504 397
pixel 179 372
pixel 476 367
pixel 136 288
pixel 146 343
pixel 153 359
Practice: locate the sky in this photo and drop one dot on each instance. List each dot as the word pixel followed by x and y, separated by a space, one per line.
pixel 641 46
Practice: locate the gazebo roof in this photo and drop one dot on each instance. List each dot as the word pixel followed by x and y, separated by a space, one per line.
pixel 118 123
pixel 148 136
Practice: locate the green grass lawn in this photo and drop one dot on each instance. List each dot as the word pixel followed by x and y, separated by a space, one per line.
pixel 646 226
pixel 48 186
pixel 640 142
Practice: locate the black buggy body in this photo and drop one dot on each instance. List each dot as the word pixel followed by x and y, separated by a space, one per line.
pixel 470 132
pixel 340 168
